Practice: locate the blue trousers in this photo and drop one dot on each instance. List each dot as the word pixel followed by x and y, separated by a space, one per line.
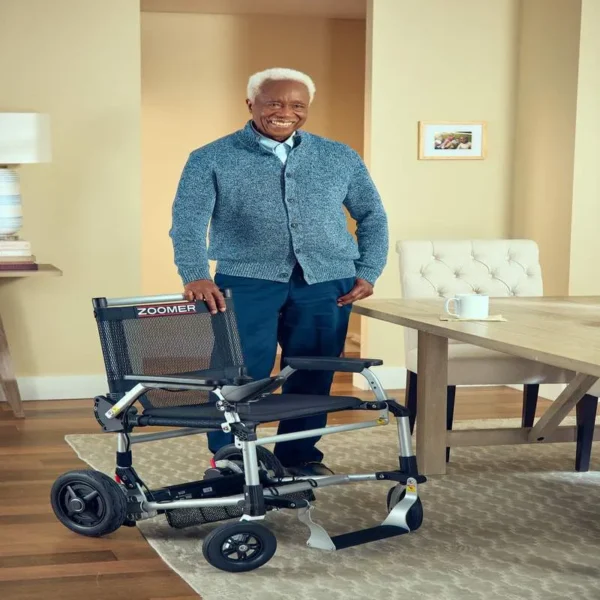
pixel 306 321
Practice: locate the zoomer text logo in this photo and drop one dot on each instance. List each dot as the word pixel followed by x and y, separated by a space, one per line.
pixel 163 310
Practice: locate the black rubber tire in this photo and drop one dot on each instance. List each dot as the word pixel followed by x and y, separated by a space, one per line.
pixel 388 502
pixel 107 510
pixel 265 545
pixel 265 458
pixel 414 518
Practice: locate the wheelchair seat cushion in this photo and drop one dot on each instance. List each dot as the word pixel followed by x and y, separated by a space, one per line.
pixel 274 407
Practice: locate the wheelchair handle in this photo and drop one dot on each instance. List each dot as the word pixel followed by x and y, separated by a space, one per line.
pixel 133 300
pixel 157 299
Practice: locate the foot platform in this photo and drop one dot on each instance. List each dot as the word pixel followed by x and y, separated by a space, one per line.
pixel 405 515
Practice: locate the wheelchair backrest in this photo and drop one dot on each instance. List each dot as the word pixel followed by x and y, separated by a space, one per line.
pixel 151 336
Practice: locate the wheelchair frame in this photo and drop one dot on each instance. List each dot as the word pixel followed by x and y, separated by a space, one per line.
pixel 259 495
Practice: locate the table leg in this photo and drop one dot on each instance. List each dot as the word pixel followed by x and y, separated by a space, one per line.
pixel 9 390
pixel 431 403
pixel 570 396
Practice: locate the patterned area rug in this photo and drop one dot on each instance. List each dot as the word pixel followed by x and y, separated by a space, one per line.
pixel 506 523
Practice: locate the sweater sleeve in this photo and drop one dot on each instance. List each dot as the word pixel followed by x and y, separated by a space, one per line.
pixel 366 208
pixel 192 209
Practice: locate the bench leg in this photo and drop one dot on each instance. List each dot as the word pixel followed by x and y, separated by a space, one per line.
pixel 586 416
pixel 450 398
pixel 530 398
pixel 411 398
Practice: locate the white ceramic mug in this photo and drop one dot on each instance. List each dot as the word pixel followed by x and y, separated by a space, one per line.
pixel 468 306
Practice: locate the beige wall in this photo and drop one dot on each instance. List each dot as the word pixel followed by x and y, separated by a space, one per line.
pixel 545 133
pixel 78 61
pixel 194 73
pixel 584 276
pixel 429 61
pixel 347 82
pixel 557 180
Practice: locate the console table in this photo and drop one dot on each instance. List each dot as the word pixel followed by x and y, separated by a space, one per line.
pixel 9 390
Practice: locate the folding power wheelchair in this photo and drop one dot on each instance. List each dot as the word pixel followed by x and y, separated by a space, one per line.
pixel 186 369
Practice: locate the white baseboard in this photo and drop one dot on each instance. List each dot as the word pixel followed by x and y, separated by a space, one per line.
pixel 68 387
pixel 394 378
pixel 62 387
pixel 391 378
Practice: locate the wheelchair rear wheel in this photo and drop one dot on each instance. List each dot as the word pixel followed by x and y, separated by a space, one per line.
pixel 89 502
pixel 267 462
pixel 266 459
pixel 239 547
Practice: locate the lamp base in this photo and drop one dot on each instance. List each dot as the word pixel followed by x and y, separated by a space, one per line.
pixel 11 212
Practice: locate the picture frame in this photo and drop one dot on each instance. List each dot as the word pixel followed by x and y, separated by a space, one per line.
pixel 452 140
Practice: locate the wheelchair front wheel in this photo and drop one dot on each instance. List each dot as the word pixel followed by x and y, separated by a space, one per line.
pixel 239 547
pixel 414 517
pixel 89 502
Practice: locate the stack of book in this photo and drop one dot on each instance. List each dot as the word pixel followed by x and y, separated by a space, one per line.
pixel 15 255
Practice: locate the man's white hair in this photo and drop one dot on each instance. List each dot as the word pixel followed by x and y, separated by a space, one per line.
pixel 257 80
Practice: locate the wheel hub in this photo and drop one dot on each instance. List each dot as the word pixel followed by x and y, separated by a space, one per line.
pixel 241 547
pixel 82 504
pixel 76 505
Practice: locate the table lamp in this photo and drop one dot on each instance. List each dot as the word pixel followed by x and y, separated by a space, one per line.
pixel 24 138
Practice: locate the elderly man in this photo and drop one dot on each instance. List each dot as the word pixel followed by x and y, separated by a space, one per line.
pixel 274 196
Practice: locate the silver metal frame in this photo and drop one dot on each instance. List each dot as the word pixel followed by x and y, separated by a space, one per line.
pixel 319 537
pixel 250 458
pixel 227 393
pixel 293 485
pixel 163 435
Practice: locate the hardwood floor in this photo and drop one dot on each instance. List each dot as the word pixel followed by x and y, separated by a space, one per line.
pixel 41 560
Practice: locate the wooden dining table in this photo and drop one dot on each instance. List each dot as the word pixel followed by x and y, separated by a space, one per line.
pixel 559 331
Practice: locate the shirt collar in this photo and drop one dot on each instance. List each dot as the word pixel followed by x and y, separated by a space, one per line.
pixel 270 143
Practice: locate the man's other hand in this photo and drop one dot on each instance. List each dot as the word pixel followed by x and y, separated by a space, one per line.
pixel 362 289
pixel 206 290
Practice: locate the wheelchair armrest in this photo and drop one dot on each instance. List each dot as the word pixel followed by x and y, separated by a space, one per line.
pixel 343 365
pixel 252 391
pixel 208 377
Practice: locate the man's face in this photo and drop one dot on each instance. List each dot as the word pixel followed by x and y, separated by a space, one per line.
pixel 280 108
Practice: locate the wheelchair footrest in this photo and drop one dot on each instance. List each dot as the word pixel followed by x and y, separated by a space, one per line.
pixel 364 536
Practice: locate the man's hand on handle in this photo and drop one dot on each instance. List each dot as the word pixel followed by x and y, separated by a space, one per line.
pixel 205 290
pixel 362 289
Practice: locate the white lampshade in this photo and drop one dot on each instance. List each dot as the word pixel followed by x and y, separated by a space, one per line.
pixel 24 138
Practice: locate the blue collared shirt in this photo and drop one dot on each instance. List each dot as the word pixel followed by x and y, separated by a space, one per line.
pixel 280 149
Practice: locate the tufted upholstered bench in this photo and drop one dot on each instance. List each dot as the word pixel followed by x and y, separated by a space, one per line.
pixel 430 269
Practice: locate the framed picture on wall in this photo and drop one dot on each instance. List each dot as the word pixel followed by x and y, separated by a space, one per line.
pixel 443 140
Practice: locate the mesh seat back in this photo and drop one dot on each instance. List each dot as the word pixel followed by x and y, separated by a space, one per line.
pixel 165 339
